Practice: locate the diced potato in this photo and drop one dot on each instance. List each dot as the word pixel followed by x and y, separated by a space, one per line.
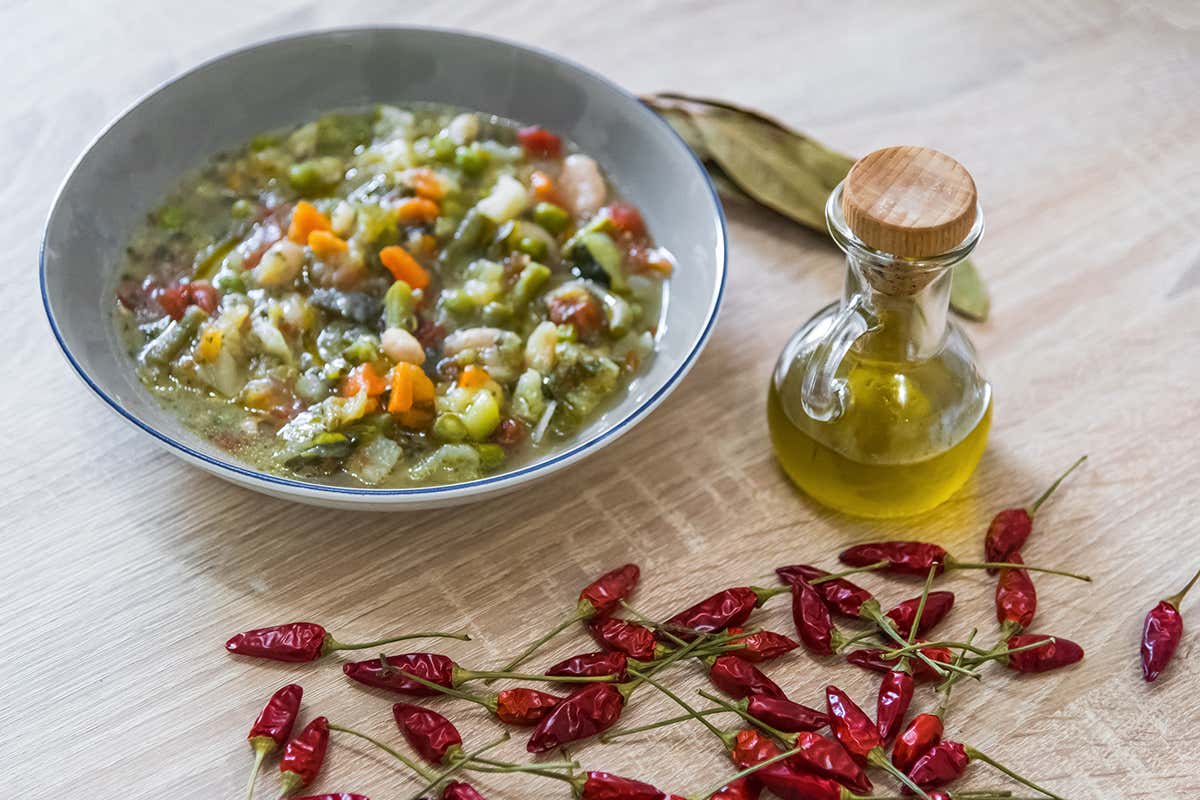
pixel 401 346
pixel 279 265
pixel 539 347
pixel 507 200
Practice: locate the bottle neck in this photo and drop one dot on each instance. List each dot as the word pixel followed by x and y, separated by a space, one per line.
pixel 910 327
pixel 905 301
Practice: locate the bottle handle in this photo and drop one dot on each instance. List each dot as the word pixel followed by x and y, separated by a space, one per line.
pixel 823 394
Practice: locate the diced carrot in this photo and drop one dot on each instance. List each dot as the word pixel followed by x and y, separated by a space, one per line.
pixel 401 398
pixel 416 211
pixel 417 419
pixel 306 219
pixel 361 377
pixel 426 183
pixel 663 266
pixel 543 187
pixel 325 244
pixel 423 389
pixel 474 377
pixel 403 266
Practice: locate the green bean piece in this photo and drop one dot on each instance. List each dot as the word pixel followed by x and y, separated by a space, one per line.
pixel 551 217
pixel 362 350
pixel 497 313
pixel 456 301
pixel 529 283
pixel 399 306
pixel 166 345
pixel 490 455
pixel 228 282
pixel 471 233
pixel 449 427
pixel 443 148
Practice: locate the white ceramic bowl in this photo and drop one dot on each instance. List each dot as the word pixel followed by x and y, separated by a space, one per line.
pixel 221 104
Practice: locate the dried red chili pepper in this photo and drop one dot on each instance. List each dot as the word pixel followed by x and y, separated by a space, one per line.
pixel 1057 652
pixel 1010 529
pixel 873 659
pixel 307 641
pixel 635 641
pixel 428 732
pixel 761 759
pixel 586 712
pixel 917 558
pixel 895 697
pixel 273 726
pixel 812 619
pixel 943 763
pixel 922 733
pixel 1162 631
pixel 457 790
pixel 937 606
pixel 760 646
pixel 842 596
pixel 303 757
pixel 593 664
pixel 730 607
pixel 738 678
pixel 596 601
pixel 1016 598
pixel 334 796
pixel 605 786
pixel 947 761
pixel 398 673
pixel 784 715
pixel 737 789
pixel 521 706
pixel 854 731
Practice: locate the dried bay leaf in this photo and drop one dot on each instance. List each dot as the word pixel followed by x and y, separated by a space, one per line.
pixel 751 156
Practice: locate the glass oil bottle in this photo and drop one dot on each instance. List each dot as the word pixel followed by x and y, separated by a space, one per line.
pixel 877 406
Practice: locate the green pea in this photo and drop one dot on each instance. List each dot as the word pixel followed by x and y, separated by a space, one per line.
pixel 533 247
pixel 551 217
pixel 449 427
pixel 229 282
pixel 263 141
pixel 362 350
pixel 171 218
pixel 471 159
pixel 315 176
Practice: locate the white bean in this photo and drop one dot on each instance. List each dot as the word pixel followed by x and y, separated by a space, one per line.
pixel 401 346
pixel 539 347
pixel 463 129
pixel 582 186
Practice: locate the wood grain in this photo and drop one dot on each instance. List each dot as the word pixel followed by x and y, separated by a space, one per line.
pixel 124 570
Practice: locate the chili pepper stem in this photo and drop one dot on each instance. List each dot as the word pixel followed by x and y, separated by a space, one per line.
pixel 786 754
pixel 975 755
pixel 464 675
pixel 1050 489
pixel 579 616
pixel 1177 598
pixel 916 623
pixel 332 644
pixel 642 618
pixel 405 760
pixel 725 737
pixel 260 753
pixel 875 614
pixel 879 759
pixel 438 779
pixel 952 564
pixel 608 736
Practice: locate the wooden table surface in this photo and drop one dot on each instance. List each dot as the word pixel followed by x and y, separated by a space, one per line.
pixel 124 570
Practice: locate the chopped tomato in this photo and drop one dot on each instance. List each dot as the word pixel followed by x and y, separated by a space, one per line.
pixel 578 308
pixel 509 433
pixel 539 142
pixel 172 299
pixel 627 218
pixel 201 293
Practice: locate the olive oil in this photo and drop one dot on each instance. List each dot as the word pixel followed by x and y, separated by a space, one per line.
pixel 879 459
pixel 877 406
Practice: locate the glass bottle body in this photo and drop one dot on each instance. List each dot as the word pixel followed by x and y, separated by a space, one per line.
pixel 877 406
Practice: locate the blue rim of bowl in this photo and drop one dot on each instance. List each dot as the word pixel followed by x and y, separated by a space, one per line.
pixel 544 466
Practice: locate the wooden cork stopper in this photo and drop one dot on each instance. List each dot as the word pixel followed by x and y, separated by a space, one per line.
pixel 911 202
